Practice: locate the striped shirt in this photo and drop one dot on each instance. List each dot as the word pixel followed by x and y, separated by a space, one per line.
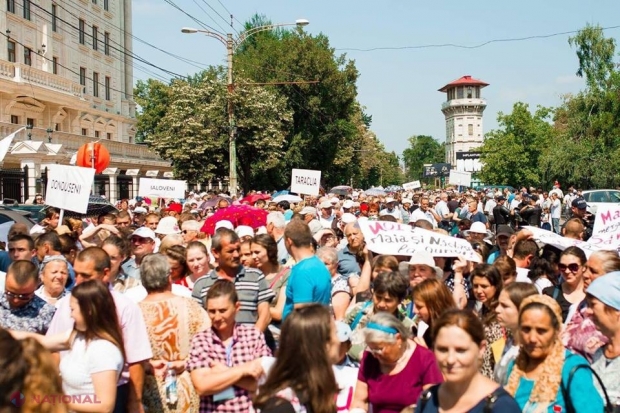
pixel 252 289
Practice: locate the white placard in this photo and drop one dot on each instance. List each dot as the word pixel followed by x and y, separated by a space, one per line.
pixel 595 243
pixel 412 185
pixel 68 187
pixel 305 181
pixel 459 178
pixel 162 188
pixel 392 238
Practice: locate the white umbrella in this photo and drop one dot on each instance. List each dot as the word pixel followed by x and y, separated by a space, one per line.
pixel 290 198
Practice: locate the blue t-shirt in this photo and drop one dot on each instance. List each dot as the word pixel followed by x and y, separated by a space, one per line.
pixel 347 263
pixel 309 282
pixel 582 392
pixel 504 403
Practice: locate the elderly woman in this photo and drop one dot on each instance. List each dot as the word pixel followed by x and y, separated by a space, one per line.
pixel 603 297
pixel 545 377
pixel 54 273
pixel 341 293
pixel 171 323
pixel 394 370
pixel 390 288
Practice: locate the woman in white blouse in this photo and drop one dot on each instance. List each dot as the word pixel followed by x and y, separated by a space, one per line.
pixel 92 354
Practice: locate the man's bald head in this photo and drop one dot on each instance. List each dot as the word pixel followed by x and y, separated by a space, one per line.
pixel 573 228
pixel 18 228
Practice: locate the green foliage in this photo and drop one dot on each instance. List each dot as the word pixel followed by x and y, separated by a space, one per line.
pixel 422 149
pixel 510 155
pixel 595 54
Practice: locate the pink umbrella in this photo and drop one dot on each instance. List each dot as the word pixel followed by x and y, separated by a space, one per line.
pixel 251 199
pixel 238 215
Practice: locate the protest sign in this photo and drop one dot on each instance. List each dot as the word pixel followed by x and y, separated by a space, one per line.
pixel 551 238
pixel 305 181
pixel 391 238
pixel 460 178
pixel 68 187
pixel 162 188
pixel 412 185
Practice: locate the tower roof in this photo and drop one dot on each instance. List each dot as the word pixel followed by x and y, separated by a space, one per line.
pixel 464 81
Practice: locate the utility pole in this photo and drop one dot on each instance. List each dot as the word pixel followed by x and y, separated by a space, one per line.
pixel 232 138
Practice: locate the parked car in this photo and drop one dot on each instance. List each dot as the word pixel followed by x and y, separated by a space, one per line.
pixel 9 215
pixel 598 197
pixel 37 212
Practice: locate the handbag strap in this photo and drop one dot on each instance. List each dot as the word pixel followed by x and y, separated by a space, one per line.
pixel 570 408
pixel 359 315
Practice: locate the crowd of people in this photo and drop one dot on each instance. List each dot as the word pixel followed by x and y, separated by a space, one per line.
pixel 144 310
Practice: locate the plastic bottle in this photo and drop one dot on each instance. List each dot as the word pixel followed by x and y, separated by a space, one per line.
pixel 171 385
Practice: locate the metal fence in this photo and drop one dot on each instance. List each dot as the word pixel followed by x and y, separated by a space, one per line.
pixel 14 184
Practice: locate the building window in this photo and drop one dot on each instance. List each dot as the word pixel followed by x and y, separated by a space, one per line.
pixel 96 84
pixel 27 56
pixel 107 88
pixel 96 134
pixel 470 129
pixel 15 119
pixel 27 9
pixel 94 1
pixel 82 29
pixel 106 43
pixel 55 65
pixel 106 5
pixel 54 18
pixel 30 122
pixel 109 136
pixel 95 37
pixel 57 127
pixel 459 92
pixel 84 132
pixel 10 6
pixel 83 76
pixel 11 48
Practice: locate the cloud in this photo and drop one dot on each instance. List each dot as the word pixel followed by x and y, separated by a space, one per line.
pixel 568 79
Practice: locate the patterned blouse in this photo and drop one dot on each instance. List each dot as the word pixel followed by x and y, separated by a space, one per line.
pixel 34 317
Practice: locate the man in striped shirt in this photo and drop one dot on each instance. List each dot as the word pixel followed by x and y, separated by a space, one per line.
pixel 250 283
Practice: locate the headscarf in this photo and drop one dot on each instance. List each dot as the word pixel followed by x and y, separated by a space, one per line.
pixel 549 380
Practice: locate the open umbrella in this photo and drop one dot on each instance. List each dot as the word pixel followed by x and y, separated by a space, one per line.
pixel 251 199
pixel 211 203
pixel 283 192
pixel 375 192
pixel 287 197
pixel 341 190
pixel 394 188
pixel 96 206
pixel 238 215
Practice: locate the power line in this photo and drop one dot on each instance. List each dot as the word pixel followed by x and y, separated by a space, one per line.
pixel 203 25
pixel 477 46
pixel 216 12
pixel 230 13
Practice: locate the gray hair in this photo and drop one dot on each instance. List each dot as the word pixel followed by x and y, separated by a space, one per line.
pixel 610 259
pixel 155 273
pixel 387 321
pixel 328 254
pixel 220 235
pixel 191 225
pixel 52 258
pixel 277 219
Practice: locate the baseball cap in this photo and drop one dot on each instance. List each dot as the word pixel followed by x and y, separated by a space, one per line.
pixel 144 232
pixel 579 203
pixel 501 198
pixel 347 204
pixel 315 226
pixel 326 204
pixel 224 224
pixel 406 201
pixel 505 230
pixel 348 218
pixel 139 210
pixel 389 200
pixel 167 226
pixel 422 258
pixel 308 210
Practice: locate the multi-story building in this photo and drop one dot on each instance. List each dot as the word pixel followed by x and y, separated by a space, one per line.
pixel 66 74
pixel 463 111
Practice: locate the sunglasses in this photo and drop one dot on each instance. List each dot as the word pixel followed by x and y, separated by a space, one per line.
pixel 20 297
pixel 572 267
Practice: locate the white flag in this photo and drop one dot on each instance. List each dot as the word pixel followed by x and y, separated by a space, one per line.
pixel 73 160
pixel 6 143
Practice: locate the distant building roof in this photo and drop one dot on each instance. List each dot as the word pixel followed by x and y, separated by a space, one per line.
pixel 464 81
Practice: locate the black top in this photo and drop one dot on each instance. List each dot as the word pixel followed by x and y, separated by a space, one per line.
pixel 497 402
pixel 556 293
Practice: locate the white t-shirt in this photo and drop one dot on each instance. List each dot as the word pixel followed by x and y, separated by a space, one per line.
pixel 418 214
pixel 442 210
pixel 395 213
pixel 556 209
pixel 2 281
pixel 522 275
pixel 488 207
pixel 85 359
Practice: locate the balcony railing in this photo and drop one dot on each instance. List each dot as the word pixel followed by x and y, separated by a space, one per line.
pixel 464 102
pixel 20 72
pixel 119 151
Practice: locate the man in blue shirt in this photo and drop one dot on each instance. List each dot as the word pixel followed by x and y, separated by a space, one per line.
pixel 310 281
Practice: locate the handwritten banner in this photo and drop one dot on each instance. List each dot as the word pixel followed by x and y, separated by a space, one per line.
pixel 391 238
pixel 596 243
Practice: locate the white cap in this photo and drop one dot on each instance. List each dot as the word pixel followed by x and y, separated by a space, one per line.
pixel 325 204
pixel 343 331
pixel 389 200
pixel 334 200
pixel 139 210
pixel 422 258
pixel 478 228
pixel 308 210
pixel 348 218
pixel 167 225
pixel 244 231
pixel 224 224
pixel 144 232
pixel 347 204
pixel 406 201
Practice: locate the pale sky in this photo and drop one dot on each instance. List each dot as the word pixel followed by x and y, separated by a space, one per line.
pixel 399 87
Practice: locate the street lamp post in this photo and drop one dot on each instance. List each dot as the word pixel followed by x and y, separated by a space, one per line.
pixel 232 45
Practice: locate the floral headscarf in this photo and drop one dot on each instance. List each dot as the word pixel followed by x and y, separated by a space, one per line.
pixel 549 380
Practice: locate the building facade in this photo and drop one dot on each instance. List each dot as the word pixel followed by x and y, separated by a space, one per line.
pixel 66 75
pixel 463 110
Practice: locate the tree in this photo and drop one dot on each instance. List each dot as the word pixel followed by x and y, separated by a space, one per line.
pixel 595 54
pixel 422 149
pixel 323 124
pixel 510 155
pixel 194 130
pixel 153 97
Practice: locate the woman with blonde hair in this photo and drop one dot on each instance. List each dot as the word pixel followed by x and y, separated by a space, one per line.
pixel 431 299
pixel 545 377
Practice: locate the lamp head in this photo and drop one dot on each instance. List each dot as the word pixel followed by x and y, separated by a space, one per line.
pixel 189 30
pixel 301 22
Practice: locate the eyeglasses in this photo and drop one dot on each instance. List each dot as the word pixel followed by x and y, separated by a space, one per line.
pixel 572 267
pixel 380 350
pixel 20 297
